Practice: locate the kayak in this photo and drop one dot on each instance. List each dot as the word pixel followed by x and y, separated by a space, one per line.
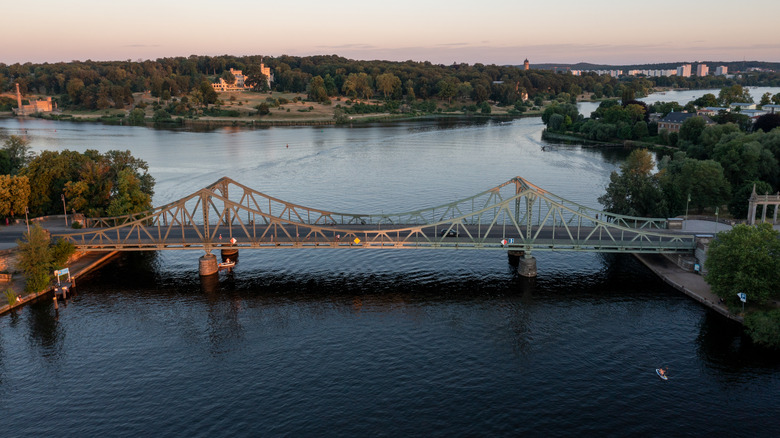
pixel 663 376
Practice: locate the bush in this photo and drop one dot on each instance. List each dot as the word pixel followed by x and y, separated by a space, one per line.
pixel 764 328
pixel 11 297
pixel 61 252
pixel 263 109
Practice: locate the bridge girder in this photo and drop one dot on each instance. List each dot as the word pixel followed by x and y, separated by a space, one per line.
pixel 515 215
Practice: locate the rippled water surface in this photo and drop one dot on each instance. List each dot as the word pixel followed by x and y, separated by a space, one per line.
pixel 366 342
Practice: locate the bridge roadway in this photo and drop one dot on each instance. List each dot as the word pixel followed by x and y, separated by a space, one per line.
pixel 545 238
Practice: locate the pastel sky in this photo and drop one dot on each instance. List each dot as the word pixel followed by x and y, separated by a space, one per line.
pixel 489 32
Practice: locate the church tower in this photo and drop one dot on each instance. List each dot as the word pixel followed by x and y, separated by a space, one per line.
pixel 526 64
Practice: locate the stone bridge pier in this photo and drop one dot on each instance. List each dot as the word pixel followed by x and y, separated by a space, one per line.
pixel 207 264
pixel 525 262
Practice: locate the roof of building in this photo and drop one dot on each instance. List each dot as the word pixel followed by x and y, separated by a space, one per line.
pixel 681 117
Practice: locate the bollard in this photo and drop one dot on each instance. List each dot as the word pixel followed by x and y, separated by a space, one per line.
pixel 56 306
pixel 64 293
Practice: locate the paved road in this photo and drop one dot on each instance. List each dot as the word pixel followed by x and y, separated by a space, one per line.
pixel 371 235
pixel 337 236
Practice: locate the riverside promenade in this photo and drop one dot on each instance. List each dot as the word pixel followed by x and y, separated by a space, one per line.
pixel 691 284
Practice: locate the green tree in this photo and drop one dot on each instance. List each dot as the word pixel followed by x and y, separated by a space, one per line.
pixel 702 180
pixel 18 153
pixel 640 130
pixel 386 83
pixel 556 123
pixel 255 78
pixel 766 99
pixel 480 93
pixel 745 259
pixel 228 77
pixel 208 95
pixel 635 191
pixel 357 85
pixel 128 195
pixel 137 117
pixel 161 116
pixel 90 181
pixel 708 99
pixel 447 89
pixel 317 90
pixel 35 258
pixel 627 94
pixel 692 128
pixel 734 93
pixel 14 194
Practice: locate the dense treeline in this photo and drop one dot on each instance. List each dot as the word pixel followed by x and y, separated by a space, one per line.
pixel 111 184
pixel 111 84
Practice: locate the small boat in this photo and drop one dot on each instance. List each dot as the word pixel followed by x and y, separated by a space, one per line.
pixel 227 264
pixel 662 376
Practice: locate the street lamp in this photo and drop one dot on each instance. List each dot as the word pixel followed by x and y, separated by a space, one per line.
pixel 686 206
pixel 64 208
pixel 716 219
pixel 27 210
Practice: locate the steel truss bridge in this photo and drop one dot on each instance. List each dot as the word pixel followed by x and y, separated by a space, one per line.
pixel 513 216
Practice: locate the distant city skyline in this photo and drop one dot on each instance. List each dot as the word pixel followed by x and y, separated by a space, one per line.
pixel 499 32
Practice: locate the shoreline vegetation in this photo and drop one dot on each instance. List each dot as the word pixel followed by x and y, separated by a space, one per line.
pixel 236 108
pixel 262 91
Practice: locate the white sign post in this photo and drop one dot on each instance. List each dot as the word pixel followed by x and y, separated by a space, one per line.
pixel 743 298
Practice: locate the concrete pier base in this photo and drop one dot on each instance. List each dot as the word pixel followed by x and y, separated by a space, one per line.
pixel 207 265
pixel 229 253
pixel 527 266
pixel 514 257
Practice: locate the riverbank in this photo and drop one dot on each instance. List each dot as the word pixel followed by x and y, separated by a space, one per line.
pixel 78 267
pixel 573 139
pixel 207 123
pixel 689 283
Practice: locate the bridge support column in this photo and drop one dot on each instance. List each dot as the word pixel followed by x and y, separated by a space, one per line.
pixel 207 265
pixel 514 257
pixel 230 253
pixel 525 262
pixel 527 266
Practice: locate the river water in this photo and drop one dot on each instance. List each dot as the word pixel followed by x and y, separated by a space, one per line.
pixel 367 342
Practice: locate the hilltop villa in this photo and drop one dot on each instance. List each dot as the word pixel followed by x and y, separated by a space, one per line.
pixel 239 84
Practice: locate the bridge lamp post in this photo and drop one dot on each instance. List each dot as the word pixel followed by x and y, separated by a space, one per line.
pixel 27 221
pixel 716 219
pixel 64 208
pixel 686 206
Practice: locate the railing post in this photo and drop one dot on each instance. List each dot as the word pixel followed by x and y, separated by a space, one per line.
pixel 204 200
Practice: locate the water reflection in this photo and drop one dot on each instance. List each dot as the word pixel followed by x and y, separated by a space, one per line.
pixel 727 350
pixel 45 333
